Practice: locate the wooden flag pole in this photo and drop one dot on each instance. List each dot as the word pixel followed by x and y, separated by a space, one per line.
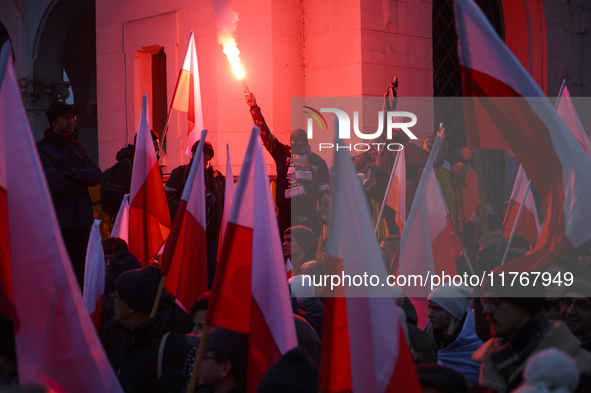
pixel 165 128
pixel 483 214
pixel 198 359
pixel 158 296
pixel 516 221
pixel 386 194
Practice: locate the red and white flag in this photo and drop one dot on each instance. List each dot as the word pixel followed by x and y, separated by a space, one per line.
pixel 515 115
pixel 121 225
pixel 184 262
pixel 250 293
pixel 395 197
pixel 187 94
pixel 568 114
pixel 148 211
pixel 229 194
pixel 363 345
pixel 528 225
pixel 57 345
pixel 94 275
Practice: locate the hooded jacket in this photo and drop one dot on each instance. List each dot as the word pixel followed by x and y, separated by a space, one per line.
pixel 134 355
pixel 119 181
pixel 69 171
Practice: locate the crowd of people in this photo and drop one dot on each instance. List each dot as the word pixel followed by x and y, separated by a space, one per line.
pixel 534 339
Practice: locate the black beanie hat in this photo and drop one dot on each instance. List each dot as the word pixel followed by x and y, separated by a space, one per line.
pixel 113 245
pixel 444 378
pixel 138 288
pixel 293 373
pixel 58 109
pixel 120 263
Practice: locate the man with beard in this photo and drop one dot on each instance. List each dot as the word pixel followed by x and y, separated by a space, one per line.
pixel 303 192
pixel 519 329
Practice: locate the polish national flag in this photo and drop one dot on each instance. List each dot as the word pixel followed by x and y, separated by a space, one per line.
pixel 568 114
pixel 187 94
pixel 363 345
pixel 515 115
pixel 528 225
pixel 426 246
pixel 184 262
pixel 395 197
pixel 121 225
pixel 148 211
pixel 250 293
pixel 56 343
pixel 94 275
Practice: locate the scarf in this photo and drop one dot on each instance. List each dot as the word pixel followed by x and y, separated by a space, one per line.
pixel 299 169
pixel 520 346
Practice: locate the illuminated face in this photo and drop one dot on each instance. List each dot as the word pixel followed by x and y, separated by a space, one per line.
pixel 199 321
pixel 504 316
pixel 64 124
pixel 438 317
pixel 291 247
pixel 496 238
pixel 428 144
pixel 575 312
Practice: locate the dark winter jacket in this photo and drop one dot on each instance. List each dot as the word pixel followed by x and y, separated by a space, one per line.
pixel 119 181
pixel 69 171
pixel 421 342
pixel 134 355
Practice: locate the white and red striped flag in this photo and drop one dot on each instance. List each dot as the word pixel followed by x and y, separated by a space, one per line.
pixel 395 197
pixel 528 225
pixel 187 94
pixel 364 348
pixel 512 113
pixel 250 293
pixel 121 225
pixel 56 344
pixel 184 262
pixel 568 114
pixel 94 275
pixel 148 210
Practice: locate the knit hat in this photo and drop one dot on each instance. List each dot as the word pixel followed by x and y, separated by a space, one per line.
pixel 452 299
pixel 303 235
pixel 113 245
pixel 494 222
pixel 549 370
pixel 138 288
pixel 120 263
pixel 207 147
pixel 231 345
pixel 294 372
pixel 444 378
pixel 58 109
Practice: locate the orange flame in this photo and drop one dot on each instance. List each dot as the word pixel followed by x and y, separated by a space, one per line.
pixel 233 55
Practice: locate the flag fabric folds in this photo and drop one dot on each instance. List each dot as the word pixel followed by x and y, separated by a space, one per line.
pixel 184 261
pixel 514 114
pixel 364 349
pixel 94 275
pixel 568 114
pixel 148 210
pixel 187 94
pixel 250 293
pixel 121 225
pixel 528 225
pixel 57 345
pixel 395 197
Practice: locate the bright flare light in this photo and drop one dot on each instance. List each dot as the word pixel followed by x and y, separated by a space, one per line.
pixel 233 55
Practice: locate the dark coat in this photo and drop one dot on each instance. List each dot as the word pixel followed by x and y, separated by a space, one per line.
pixel 134 355
pixel 119 181
pixel 69 171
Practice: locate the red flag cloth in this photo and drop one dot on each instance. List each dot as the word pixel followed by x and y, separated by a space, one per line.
pixel 187 94
pixel 148 210
pixel 94 275
pixel 566 110
pixel 56 343
pixel 250 293
pixel 512 113
pixel 366 349
pixel 528 225
pixel 184 262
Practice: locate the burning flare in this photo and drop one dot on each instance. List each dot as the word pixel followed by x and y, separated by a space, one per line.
pixel 233 55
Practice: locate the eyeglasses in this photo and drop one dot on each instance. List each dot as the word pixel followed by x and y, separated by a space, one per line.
pixel 579 304
pixel 496 238
pixel 492 302
pixel 112 296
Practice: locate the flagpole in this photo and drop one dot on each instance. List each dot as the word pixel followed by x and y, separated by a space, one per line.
pixel 158 296
pixel 516 221
pixel 198 359
pixel 386 194
pixel 165 128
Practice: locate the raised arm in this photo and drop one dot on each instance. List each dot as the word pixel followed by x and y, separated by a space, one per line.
pixel 271 143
